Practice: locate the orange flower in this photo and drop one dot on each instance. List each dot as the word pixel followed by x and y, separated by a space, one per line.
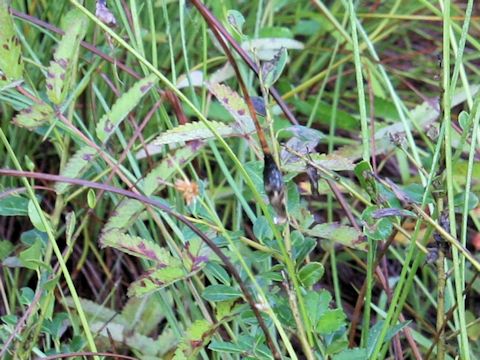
pixel 189 190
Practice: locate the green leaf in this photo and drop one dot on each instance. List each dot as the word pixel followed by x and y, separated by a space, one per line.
pixel 32 257
pixel 317 303
pixel 331 321
pixel 220 293
pixel 377 229
pixel 55 326
pixel 307 27
pixel 363 171
pixel 218 272
pixel 199 131
pixel 91 199
pixel 459 201
pixel 224 309
pixel 6 247
pixel 275 32
pixel 136 246
pixel 271 70
pixel 142 315
pixel 301 245
pixel 333 162
pixel 34 116
pixel 122 107
pixel 125 214
pixel 228 347
pixel 26 296
pixel 13 205
pixel 262 229
pixel 352 354
pixel 11 64
pixel 341 234
pixel 311 273
pixel 415 193
pixel 162 172
pixel 464 119
pixel 76 166
pixel 236 20
pixel 70 222
pixel 60 71
pixel 35 218
pixel 198 335
pixel 323 113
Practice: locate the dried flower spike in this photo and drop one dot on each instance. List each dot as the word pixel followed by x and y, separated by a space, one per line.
pixel 274 187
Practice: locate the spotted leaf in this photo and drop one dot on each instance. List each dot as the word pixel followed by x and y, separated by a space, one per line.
pixel 34 116
pixel 122 107
pixel 59 73
pixel 11 65
pixel 234 104
pixel 137 246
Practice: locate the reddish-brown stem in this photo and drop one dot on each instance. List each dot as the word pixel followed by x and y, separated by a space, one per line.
pixel 161 206
pixel 214 23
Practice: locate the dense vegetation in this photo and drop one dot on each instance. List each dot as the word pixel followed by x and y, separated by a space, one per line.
pixel 239 179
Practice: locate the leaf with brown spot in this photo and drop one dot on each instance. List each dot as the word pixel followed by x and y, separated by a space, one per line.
pixel 11 64
pixel 60 71
pixel 123 106
pixel 34 116
pixel 139 247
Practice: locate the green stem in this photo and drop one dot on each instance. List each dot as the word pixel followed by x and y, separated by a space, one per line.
pixel 56 249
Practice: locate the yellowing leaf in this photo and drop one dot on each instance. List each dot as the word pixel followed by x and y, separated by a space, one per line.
pixel 34 116
pixel 234 104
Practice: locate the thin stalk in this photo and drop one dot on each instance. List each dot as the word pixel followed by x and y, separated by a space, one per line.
pixel 56 249
pixel 441 281
pixel 360 88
